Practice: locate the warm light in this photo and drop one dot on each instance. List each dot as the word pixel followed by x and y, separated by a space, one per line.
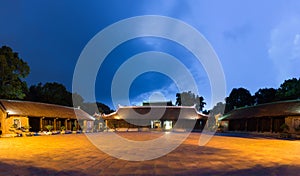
pixel 168 125
pixel 9 112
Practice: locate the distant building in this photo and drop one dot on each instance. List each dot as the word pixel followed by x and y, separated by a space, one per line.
pixel 38 115
pixel 155 117
pixel 268 117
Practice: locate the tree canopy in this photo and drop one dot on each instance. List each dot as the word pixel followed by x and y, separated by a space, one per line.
pixel 12 72
pixel 289 90
pixel 219 108
pixel 56 93
pixel 92 108
pixel 265 95
pixel 238 98
pixel 190 99
pixel 53 93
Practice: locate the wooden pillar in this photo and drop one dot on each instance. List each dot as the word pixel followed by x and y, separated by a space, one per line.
pixel 54 124
pixel 77 124
pixel 106 124
pixel 271 128
pixel 41 124
pixel 246 125
pixel 66 124
pixel 84 125
pixel 256 124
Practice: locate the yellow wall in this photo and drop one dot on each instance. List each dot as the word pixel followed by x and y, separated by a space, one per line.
pixel 2 117
pixel 7 123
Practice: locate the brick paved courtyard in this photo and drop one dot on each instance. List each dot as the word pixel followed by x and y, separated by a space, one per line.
pixel 75 155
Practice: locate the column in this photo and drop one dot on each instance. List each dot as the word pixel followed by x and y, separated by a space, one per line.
pixel 77 124
pixel 41 123
pixel 256 124
pixel 271 128
pixel 66 124
pixel 84 125
pixel 54 124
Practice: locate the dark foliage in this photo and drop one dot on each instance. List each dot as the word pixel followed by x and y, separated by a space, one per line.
pixel 190 99
pixel 12 72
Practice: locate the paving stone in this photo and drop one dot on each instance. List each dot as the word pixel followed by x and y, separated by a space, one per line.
pixel 74 155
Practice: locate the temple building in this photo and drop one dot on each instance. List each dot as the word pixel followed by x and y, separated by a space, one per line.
pixel 156 116
pixel 36 116
pixel 267 118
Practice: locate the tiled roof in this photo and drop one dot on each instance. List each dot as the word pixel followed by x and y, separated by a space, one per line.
pixel 35 109
pixel 282 108
pixel 155 112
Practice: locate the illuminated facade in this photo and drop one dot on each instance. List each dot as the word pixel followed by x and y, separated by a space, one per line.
pixel 36 116
pixel 155 117
pixel 267 118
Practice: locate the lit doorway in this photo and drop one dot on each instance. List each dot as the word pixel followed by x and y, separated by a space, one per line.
pixel 168 125
pixel 155 124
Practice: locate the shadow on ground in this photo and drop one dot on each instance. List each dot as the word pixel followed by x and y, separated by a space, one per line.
pixel 254 171
pixel 252 136
pixel 24 170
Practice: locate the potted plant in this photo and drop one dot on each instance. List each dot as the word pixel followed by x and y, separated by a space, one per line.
pixel 74 130
pixel 49 128
pixel 62 130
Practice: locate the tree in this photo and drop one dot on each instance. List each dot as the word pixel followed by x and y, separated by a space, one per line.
pixel 35 93
pixel 238 98
pixel 53 93
pixel 218 109
pixel 91 108
pixel 77 100
pixel 190 99
pixel 12 72
pixel 265 95
pixel 289 90
pixel 214 114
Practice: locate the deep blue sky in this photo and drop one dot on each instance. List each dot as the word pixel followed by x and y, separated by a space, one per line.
pixel 258 42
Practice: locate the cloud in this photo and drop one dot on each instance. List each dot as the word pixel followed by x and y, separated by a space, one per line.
pixel 284 49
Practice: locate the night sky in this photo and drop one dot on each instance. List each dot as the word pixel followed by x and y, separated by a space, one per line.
pixel 257 42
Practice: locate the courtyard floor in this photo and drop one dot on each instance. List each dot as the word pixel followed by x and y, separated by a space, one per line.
pixel 75 155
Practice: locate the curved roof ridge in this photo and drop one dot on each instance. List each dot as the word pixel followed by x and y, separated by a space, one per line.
pixel 38 109
pixel 265 104
pixel 41 103
pixel 279 108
